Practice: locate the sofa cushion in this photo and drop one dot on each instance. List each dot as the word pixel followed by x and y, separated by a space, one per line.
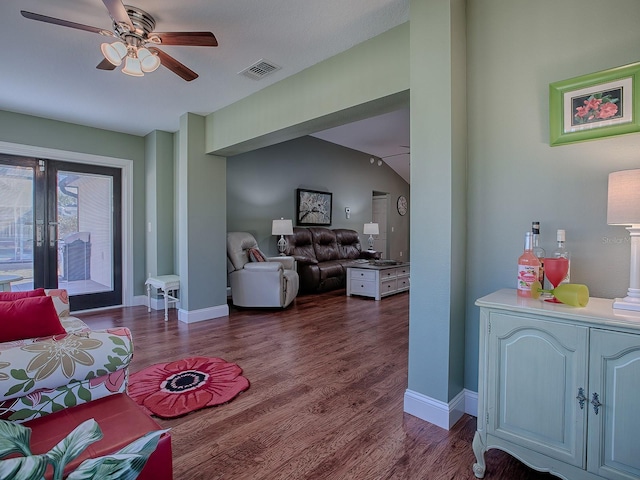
pixel 300 245
pixel 11 296
pixel 324 244
pixel 348 243
pixel 28 318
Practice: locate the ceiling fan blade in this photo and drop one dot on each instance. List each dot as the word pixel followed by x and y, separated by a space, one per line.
pixel 105 65
pixel 118 12
pixel 174 65
pixel 64 23
pixel 190 39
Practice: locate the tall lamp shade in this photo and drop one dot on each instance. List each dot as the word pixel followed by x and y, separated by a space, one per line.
pixel 371 229
pixel 623 208
pixel 282 227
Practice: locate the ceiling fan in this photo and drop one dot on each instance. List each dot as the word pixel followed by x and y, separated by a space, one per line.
pixel 136 43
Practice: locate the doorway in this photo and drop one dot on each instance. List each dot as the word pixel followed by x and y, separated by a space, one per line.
pixel 60 227
pixel 379 209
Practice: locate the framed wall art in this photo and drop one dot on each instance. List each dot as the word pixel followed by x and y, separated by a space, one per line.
pixel 596 105
pixel 313 207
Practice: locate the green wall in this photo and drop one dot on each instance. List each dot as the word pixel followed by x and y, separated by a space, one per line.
pixel 261 187
pixel 516 48
pixel 160 203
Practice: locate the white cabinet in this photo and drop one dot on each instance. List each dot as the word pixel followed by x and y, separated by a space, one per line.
pixel 557 386
pixel 377 281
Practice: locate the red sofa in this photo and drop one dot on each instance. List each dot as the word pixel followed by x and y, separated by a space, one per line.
pixel 121 420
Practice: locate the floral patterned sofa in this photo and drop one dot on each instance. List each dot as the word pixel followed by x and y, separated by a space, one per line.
pixel 39 376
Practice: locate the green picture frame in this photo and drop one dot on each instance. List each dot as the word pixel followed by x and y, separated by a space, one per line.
pixel 596 105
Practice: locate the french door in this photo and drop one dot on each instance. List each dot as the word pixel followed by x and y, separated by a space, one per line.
pixel 60 227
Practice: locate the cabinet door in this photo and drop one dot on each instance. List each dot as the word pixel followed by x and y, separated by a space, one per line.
pixel 614 375
pixel 535 370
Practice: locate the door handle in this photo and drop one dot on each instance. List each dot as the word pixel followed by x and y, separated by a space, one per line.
pixel 39 226
pixel 53 230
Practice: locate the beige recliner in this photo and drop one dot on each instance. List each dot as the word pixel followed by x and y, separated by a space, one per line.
pixel 272 283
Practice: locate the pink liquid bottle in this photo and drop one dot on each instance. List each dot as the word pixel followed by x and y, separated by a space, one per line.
pixel 528 267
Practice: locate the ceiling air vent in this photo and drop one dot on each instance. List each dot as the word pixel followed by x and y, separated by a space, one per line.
pixel 260 69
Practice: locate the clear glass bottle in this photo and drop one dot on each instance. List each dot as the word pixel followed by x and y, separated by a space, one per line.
pixel 528 267
pixel 538 251
pixel 561 251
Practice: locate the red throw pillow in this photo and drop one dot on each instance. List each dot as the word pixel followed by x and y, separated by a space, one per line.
pixel 11 296
pixel 255 255
pixel 29 318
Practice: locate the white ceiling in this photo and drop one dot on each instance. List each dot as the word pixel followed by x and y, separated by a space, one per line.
pixel 49 70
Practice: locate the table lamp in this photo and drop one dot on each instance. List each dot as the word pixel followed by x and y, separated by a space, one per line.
pixel 623 208
pixel 282 227
pixel 371 229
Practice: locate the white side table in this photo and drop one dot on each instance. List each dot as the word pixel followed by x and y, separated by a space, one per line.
pixel 5 282
pixel 167 286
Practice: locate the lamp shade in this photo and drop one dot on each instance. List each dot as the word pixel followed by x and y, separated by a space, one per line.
pixel 148 61
pixel 623 206
pixel 132 67
pixel 114 52
pixel 371 229
pixel 282 227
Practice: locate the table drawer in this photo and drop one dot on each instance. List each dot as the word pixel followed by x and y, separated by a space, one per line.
pixel 403 283
pixel 387 273
pixel 388 286
pixel 361 274
pixel 402 271
pixel 363 287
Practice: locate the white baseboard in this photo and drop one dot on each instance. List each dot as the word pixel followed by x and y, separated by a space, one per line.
pixel 193 316
pixel 471 402
pixel 139 300
pixel 157 303
pixel 444 415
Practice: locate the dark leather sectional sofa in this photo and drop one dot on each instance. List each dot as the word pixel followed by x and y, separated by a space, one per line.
pixel 322 254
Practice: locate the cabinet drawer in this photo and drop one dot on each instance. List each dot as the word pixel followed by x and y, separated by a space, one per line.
pixel 403 283
pixel 388 286
pixel 363 287
pixel 387 273
pixel 357 274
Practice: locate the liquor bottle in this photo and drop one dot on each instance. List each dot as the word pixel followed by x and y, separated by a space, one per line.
pixel 528 267
pixel 561 251
pixel 538 251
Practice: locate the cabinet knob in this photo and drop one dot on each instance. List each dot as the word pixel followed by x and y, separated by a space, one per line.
pixel 595 401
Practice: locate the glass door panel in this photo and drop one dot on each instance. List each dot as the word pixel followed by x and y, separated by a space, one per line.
pixel 16 224
pixel 85 232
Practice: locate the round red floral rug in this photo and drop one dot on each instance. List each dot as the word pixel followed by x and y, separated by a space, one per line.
pixel 173 389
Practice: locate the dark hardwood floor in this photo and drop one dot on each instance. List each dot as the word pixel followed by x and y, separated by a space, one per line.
pixel 328 375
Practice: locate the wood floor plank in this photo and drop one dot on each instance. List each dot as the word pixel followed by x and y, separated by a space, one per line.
pixel 328 377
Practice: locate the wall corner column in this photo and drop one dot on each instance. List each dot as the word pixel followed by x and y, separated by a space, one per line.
pixel 201 225
pixel 438 214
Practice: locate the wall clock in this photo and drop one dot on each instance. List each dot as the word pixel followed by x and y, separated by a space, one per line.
pixel 402 205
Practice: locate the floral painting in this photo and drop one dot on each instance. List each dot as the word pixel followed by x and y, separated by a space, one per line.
pixel 313 207
pixel 596 105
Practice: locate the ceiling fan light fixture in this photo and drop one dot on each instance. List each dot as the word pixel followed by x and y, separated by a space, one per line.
pixel 148 61
pixel 132 67
pixel 114 52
